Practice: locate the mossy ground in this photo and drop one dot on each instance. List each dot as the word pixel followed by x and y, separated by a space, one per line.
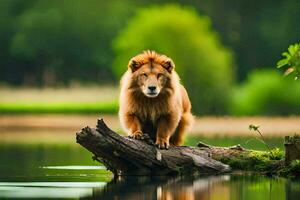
pixel 292 170
pixel 263 162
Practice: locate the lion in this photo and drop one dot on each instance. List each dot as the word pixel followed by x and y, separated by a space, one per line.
pixel 153 101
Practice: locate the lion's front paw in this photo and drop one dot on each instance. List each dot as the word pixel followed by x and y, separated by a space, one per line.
pixel 136 135
pixel 162 143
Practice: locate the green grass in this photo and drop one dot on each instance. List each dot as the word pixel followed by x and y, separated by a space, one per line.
pixel 81 100
pixel 248 142
pixel 65 108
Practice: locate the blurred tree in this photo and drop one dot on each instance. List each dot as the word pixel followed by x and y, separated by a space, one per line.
pixel 257 31
pixel 266 92
pixel 204 65
pixel 67 40
pixel 10 10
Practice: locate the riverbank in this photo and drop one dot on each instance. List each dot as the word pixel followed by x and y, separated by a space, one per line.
pixel 208 126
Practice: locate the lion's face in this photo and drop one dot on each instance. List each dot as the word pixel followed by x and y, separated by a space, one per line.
pixel 151 80
pixel 151 72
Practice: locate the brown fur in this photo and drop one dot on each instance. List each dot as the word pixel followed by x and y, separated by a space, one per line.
pixel 167 112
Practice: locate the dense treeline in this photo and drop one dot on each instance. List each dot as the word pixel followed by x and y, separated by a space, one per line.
pixel 50 41
pixel 214 44
pixel 45 42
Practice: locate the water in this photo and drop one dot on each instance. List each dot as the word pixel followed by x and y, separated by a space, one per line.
pixel 43 170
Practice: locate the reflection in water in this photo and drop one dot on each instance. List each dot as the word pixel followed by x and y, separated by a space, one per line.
pixel 224 187
pixel 163 188
pixel 74 167
pixel 67 171
pixel 28 192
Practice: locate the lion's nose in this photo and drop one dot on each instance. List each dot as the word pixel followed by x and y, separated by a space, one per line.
pixel 152 88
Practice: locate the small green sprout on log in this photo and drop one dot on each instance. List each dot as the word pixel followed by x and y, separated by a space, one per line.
pixel 291 61
pixel 256 129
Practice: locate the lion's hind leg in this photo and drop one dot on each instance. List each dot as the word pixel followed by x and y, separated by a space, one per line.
pixel 184 125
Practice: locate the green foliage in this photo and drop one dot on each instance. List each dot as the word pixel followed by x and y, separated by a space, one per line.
pixel 291 60
pixel 292 170
pixel 248 28
pixel 11 68
pixel 79 35
pixel 295 165
pixel 266 93
pixel 204 65
pixel 64 40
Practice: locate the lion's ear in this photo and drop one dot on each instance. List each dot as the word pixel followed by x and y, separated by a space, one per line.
pixel 169 65
pixel 133 65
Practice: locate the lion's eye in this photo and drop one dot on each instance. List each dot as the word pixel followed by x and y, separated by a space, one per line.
pixel 145 75
pixel 159 75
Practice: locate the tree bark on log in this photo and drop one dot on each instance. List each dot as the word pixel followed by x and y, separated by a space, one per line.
pixel 126 156
pixel 292 148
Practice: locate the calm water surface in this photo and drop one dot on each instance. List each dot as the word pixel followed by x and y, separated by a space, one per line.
pixel 42 170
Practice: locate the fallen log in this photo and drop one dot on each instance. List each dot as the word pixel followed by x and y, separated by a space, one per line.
pixel 126 156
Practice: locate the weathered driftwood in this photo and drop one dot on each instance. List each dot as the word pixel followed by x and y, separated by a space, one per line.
pixel 127 156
